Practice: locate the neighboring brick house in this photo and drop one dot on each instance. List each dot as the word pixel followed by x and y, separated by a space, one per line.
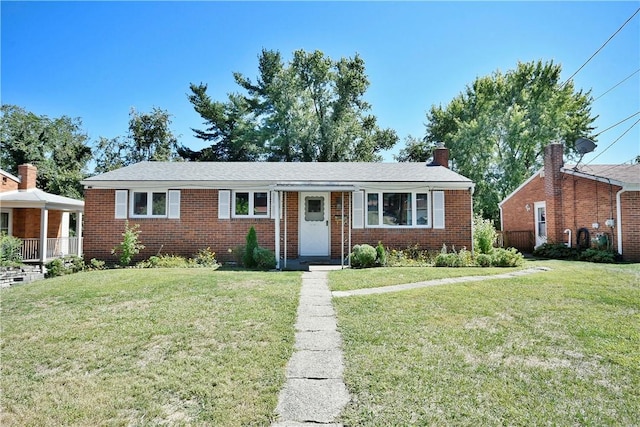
pixel 25 211
pixel 182 207
pixel 570 204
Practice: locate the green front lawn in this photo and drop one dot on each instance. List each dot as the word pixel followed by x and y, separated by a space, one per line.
pixel 147 347
pixel 552 348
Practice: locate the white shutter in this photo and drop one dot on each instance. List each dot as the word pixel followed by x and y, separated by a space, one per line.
pixel 224 204
pixel 358 209
pixel 438 209
pixel 121 204
pixel 174 204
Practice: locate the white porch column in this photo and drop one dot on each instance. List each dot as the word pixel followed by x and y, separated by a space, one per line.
pixel 44 225
pixel 276 214
pixel 79 232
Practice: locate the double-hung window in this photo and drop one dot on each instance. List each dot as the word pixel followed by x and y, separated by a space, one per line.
pixel 148 204
pixel 251 204
pixel 392 209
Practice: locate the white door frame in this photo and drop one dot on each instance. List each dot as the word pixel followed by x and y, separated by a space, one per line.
pixel 540 223
pixel 319 243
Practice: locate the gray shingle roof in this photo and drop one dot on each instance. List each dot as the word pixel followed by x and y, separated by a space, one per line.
pixel 628 174
pixel 271 172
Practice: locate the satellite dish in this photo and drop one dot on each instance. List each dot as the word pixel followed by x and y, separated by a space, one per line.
pixel 584 146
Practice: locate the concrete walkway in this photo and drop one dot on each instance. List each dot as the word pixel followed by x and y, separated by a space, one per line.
pixel 314 393
pixel 437 282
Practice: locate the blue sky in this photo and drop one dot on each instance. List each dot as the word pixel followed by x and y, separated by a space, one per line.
pixel 97 60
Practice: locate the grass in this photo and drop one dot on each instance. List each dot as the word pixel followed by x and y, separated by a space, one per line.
pixel 147 347
pixel 552 348
pixel 349 280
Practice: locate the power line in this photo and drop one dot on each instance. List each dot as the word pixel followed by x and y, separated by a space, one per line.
pixel 612 126
pixel 617 139
pixel 625 79
pixel 601 47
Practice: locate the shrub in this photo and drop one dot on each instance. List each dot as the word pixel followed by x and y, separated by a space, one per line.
pixel 381 255
pixel 507 257
pixel 462 258
pixel 65 265
pixel 598 255
pixel 363 256
pixel 130 245
pixel 96 264
pixel 484 260
pixel 264 258
pixel 10 250
pixel 484 234
pixel 412 256
pixel 252 244
pixel 555 251
pixel 205 258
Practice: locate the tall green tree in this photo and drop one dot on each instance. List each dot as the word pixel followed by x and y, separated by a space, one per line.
pixel 497 128
pixel 149 139
pixel 311 109
pixel 56 146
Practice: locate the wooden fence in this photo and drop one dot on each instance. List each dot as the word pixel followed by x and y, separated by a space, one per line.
pixel 524 241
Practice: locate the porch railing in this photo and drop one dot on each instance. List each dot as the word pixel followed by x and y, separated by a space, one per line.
pixel 56 248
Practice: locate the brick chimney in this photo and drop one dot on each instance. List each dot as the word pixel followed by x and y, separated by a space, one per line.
pixel 441 156
pixel 27 174
pixel 553 162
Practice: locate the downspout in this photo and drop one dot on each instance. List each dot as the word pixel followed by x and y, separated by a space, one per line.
pixel 276 212
pixel 471 206
pixel 285 194
pixel 619 219
pixel 342 230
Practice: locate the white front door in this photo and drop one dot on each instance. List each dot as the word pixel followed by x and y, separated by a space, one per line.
pixel 314 224
pixel 540 212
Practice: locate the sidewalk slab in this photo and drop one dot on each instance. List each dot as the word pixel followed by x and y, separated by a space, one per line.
pixel 316 364
pixel 318 401
pixel 318 340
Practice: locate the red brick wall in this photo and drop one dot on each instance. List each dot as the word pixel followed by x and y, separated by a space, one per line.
pixel 457 231
pixel 199 227
pixel 630 202
pixel 8 184
pixel 582 202
pixel 515 216
pixel 26 223
pixel 27 174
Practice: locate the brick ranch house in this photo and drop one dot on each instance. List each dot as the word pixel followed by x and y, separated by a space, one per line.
pixel 298 209
pixel 566 204
pixel 40 219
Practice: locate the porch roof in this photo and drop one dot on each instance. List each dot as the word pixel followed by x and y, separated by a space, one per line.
pixel 36 198
pixel 276 173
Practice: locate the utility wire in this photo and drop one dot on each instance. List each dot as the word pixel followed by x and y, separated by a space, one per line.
pixel 617 139
pixel 601 47
pixel 626 78
pixel 612 126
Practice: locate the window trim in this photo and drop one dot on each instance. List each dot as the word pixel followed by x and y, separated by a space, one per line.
pixel 251 214
pixel 414 209
pixel 9 213
pixel 149 193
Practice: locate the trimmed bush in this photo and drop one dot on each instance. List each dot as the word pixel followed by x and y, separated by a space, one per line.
pixel 507 257
pixel 598 255
pixel 250 247
pixel 363 256
pixel 484 260
pixel 556 251
pixel 264 258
